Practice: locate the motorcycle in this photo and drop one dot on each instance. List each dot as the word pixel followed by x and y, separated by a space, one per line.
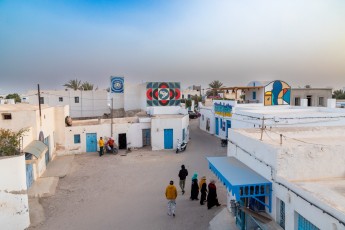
pixel 224 142
pixel 181 146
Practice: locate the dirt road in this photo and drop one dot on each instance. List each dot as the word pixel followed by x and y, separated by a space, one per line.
pixel 127 192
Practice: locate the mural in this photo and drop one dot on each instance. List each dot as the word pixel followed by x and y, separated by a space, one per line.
pixel 222 109
pixel 116 84
pixel 277 93
pixel 163 94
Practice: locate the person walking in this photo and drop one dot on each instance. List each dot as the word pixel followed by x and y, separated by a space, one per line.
pixel 203 189
pixel 182 175
pixel 195 188
pixel 171 194
pixel 212 198
pixel 101 146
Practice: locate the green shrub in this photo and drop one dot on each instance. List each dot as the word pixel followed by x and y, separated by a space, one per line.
pixel 10 142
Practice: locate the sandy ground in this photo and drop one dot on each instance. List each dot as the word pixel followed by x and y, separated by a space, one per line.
pixel 127 192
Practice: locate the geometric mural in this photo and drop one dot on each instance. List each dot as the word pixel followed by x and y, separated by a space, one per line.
pixel 116 84
pixel 277 93
pixel 223 109
pixel 163 94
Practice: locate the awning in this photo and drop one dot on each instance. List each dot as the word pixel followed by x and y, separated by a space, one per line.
pixel 241 180
pixel 36 148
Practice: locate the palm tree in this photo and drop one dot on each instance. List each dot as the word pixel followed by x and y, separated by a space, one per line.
pixel 86 86
pixel 214 85
pixel 73 84
pixel 338 94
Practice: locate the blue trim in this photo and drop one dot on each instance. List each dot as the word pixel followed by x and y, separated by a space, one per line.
pixel 242 189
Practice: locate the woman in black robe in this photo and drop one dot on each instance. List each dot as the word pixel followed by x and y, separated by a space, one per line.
pixel 203 190
pixel 195 188
pixel 212 198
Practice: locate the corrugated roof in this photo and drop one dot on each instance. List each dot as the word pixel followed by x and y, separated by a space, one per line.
pixel 36 148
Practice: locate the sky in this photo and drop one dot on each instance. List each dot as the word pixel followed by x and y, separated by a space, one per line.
pixel 190 41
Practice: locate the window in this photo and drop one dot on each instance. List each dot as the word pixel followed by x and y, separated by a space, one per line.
pixel 297 101
pixel 182 96
pixel 203 117
pixel 77 139
pixel 60 99
pixel 321 101
pixel 254 95
pixel 7 116
pixel 41 100
pixel 76 99
pixel 305 224
pixel 282 214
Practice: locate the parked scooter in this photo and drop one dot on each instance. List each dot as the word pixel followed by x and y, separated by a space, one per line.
pixel 224 142
pixel 181 146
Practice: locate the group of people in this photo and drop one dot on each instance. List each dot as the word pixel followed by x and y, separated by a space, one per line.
pixel 208 193
pixel 110 145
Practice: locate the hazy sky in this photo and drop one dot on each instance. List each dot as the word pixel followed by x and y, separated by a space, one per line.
pixel 192 41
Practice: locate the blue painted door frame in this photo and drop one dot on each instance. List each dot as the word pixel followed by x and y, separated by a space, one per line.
pixel 217 126
pixel 168 139
pixel 228 126
pixel 91 142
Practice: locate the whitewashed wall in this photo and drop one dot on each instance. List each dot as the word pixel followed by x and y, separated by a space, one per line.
pixel 14 207
pixel 158 110
pixel 207 112
pixel 132 97
pixel 158 124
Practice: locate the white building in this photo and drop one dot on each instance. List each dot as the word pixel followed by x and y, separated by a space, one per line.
pixel 297 173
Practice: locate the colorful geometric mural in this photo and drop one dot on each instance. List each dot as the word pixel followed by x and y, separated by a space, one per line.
pixel 116 84
pixel 277 93
pixel 221 109
pixel 163 94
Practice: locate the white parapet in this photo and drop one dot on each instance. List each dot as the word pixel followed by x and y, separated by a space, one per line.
pixel 14 207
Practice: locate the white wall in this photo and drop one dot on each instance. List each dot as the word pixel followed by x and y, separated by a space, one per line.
pixel 207 113
pixel 132 97
pixel 158 124
pixel 157 110
pixel 14 207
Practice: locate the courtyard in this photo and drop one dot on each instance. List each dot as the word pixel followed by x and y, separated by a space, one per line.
pixel 127 192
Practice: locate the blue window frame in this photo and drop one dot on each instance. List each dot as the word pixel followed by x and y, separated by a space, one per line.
pixel 254 95
pixel 77 139
pixel 304 224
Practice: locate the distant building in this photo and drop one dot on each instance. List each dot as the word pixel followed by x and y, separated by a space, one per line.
pixel 315 96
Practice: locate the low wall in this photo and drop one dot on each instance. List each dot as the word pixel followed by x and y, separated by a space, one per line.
pixel 14 207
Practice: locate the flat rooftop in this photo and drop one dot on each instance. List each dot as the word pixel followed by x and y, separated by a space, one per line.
pixel 330 191
pixel 168 116
pixel 20 107
pixel 332 136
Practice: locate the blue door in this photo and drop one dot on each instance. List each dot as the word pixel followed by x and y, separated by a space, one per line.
pixel 168 138
pixel 47 155
pixel 217 126
pixel 91 142
pixel 29 175
pixel 228 126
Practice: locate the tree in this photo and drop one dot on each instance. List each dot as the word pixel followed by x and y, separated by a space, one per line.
pixel 86 86
pixel 73 84
pixel 215 86
pixel 10 142
pixel 14 96
pixel 338 94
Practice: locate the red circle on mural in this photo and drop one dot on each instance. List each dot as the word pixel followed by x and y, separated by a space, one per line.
pixel 155 94
pixel 164 102
pixel 177 94
pixel 163 85
pixel 149 94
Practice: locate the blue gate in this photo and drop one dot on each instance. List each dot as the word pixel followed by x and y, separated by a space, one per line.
pixel 29 175
pixel 91 142
pixel 304 224
pixel 228 126
pixel 146 137
pixel 217 126
pixel 47 155
pixel 168 139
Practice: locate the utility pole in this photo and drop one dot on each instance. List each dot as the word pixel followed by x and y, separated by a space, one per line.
pixel 39 103
pixel 262 127
pixel 111 114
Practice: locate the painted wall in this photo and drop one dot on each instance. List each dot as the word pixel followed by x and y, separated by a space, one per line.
pixel 206 120
pixel 130 126
pixel 158 124
pixel 14 207
pixel 163 93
